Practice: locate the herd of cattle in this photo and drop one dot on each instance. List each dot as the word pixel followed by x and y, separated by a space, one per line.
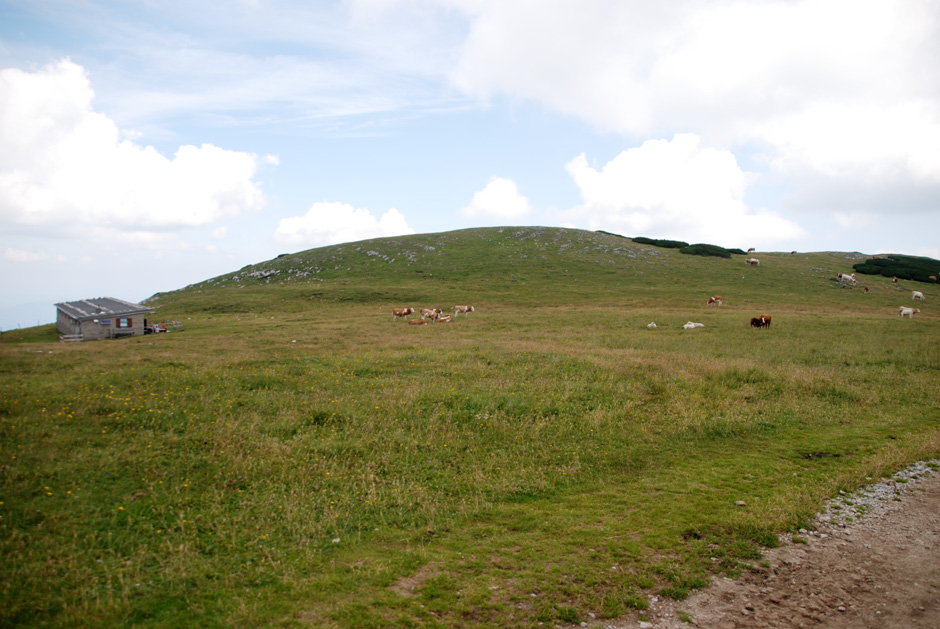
pixel 432 314
pixel 762 321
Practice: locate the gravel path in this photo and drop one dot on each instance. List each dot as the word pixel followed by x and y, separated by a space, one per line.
pixel 874 561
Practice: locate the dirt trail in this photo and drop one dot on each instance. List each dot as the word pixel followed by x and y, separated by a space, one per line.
pixel 880 571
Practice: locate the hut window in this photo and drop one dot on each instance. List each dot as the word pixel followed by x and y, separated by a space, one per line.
pixel 124 322
pixel 105 322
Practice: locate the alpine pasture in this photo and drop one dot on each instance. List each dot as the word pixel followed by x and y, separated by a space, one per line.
pixel 296 456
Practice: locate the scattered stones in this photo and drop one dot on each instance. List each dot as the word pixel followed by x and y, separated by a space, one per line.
pixel 867 562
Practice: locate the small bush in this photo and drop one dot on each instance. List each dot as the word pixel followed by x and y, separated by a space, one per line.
pixel 601 231
pixel 706 250
pixel 665 244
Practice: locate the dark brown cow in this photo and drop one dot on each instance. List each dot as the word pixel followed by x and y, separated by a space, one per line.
pixel 762 321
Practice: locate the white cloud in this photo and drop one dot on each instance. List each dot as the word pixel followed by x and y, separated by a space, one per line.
pixel 220 232
pixel 19 255
pixel 854 220
pixel 327 223
pixel 674 189
pixel 66 166
pixel 842 88
pixel 499 200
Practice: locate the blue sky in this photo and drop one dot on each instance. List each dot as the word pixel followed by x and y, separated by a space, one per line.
pixel 145 146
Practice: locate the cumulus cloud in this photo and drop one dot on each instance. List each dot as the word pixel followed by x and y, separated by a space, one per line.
pixel 846 89
pixel 327 223
pixel 674 189
pixel 499 200
pixel 65 165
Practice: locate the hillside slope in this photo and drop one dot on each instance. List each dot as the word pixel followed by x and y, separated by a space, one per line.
pixel 517 266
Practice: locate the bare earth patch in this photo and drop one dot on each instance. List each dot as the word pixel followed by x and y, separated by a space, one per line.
pixel 881 570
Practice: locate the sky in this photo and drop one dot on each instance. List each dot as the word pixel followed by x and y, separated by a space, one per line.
pixel 146 145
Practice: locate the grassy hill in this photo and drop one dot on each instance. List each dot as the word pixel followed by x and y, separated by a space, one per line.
pixel 295 457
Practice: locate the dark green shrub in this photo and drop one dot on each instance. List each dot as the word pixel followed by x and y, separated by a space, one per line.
pixel 601 231
pixel 706 250
pixel 901 266
pixel 665 244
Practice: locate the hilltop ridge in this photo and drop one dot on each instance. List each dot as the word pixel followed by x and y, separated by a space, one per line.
pixel 509 265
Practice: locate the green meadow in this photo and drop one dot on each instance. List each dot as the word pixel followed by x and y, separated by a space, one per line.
pixel 294 457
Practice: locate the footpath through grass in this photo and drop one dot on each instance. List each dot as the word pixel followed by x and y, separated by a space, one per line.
pixel 296 458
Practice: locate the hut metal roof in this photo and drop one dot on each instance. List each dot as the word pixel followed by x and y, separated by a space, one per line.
pixel 101 307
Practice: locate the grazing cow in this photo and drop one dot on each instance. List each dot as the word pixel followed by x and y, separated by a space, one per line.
pixel 917 295
pixel 907 312
pixel 717 300
pixel 750 249
pixel 894 281
pixel 416 322
pixel 866 289
pixel 463 309
pixel 692 326
pixel 793 253
pixel 762 321
pixel 752 262
pixel 846 278
pixel 401 312
pixel 431 313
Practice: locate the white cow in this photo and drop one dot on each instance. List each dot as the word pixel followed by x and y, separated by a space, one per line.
pixel 847 278
pixel 690 325
pixel 752 262
pixel 917 295
pixel 907 312
pixel 651 325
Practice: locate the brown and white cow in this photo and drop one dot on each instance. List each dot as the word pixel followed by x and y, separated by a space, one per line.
pixel 907 312
pixel 847 279
pixel 416 322
pixel 752 262
pixel 762 321
pixel 463 309
pixel 717 300
pixel 431 313
pixel 401 312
